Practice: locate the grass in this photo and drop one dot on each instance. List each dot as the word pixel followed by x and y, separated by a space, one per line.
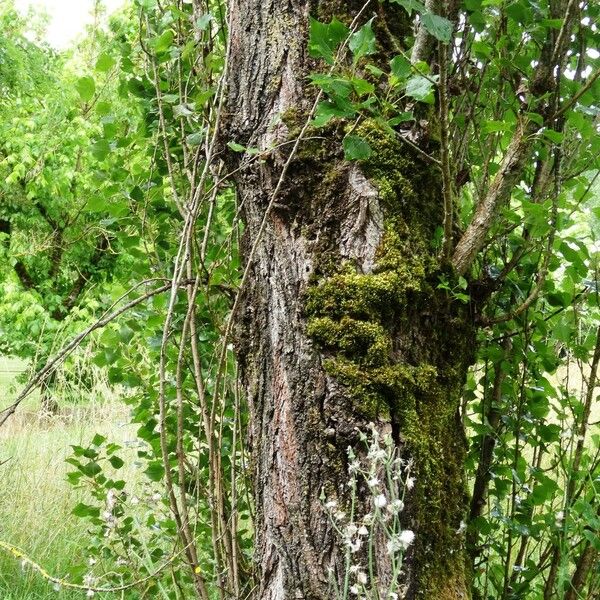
pixel 35 499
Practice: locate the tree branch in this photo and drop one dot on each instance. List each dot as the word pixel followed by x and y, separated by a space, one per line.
pixel 53 362
pixel 507 177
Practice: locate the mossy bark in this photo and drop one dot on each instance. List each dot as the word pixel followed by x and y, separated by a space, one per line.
pixel 342 324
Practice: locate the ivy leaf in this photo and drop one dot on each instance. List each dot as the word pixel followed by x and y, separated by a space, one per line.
pixel 362 42
pixel 86 88
pixel 356 148
pixel 439 27
pixel 325 38
pixel 105 63
pixel 420 88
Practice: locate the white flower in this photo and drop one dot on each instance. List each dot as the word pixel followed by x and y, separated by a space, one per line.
pixel 92 561
pixel 351 530
pixel 409 483
pixel 354 467
pixel 156 496
pixel 461 528
pixel 396 506
pixel 331 505
pixel 373 482
pixel 368 519
pixel 393 596
pixel 354 568
pixel 362 577
pixel 111 499
pixel 380 501
pixel 362 530
pixel 354 590
pixel 401 541
pixel 377 454
pixel 354 545
pixel 90 593
pixel 339 516
pixel 134 500
pixel 56 586
pixel 406 538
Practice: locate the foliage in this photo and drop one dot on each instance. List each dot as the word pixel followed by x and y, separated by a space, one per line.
pixel 110 187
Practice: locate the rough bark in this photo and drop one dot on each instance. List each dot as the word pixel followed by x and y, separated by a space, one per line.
pixel 346 250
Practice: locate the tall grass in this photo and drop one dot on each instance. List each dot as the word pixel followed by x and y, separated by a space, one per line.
pixel 35 498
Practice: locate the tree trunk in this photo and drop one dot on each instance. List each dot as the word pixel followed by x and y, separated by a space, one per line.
pixel 342 322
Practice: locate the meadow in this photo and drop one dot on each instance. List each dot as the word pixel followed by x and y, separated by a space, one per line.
pixel 35 498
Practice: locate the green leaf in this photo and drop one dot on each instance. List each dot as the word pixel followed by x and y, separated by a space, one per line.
pixel 100 150
pixel 362 42
pixel 195 139
pixel 236 147
pixel 85 510
pixel 401 118
pixel 183 110
pixel 98 440
pixel 376 71
pixel 334 86
pixel 554 136
pixel 105 63
pixel 356 148
pixel 325 38
pixel 163 42
pixel 136 87
pixel 495 126
pixel 103 108
pixel 439 27
pixel 420 88
pixel 481 49
pixel 86 88
pixel 329 109
pixel 362 86
pixel 155 471
pixel 91 469
pixel 204 21
pixel 116 462
pixel 410 5
pixel 400 67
